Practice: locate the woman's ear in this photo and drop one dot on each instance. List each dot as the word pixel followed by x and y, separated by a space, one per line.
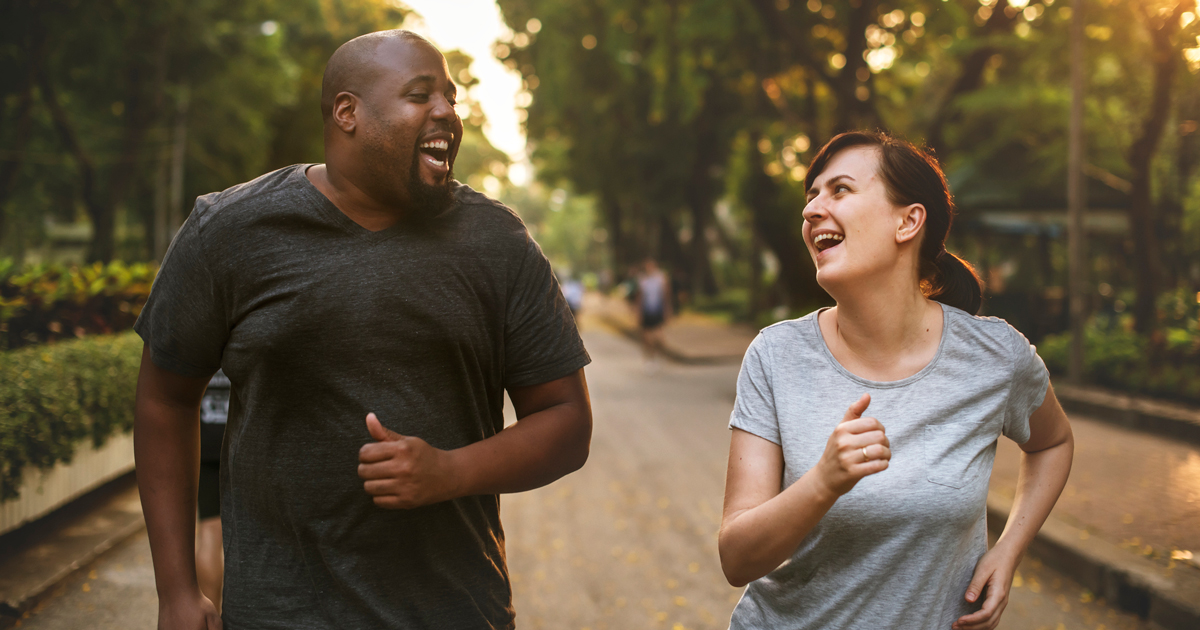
pixel 912 219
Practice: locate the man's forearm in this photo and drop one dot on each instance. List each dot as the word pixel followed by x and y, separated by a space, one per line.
pixel 167 452
pixel 534 452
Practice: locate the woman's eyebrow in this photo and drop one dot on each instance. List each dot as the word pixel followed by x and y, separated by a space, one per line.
pixel 830 182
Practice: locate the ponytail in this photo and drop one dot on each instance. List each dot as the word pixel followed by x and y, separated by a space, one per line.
pixel 954 282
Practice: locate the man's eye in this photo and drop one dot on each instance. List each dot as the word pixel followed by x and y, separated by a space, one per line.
pixel 419 95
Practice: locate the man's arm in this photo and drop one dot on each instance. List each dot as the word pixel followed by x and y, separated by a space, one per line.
pixel 166 444
pixel 550 439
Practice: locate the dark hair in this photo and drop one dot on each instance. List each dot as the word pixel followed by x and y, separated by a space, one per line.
pixel 912 175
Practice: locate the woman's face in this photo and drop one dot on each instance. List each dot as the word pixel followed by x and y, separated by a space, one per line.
pixel 852 230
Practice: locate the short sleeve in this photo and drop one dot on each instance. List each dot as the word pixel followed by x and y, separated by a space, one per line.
pixel 184 321
pixel 1027 389
pixel 754 409
pixel 541 341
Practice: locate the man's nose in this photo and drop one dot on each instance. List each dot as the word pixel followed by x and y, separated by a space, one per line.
pixel 443 109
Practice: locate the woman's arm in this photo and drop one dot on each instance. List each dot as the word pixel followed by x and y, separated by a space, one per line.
pixel 1045 465
pixel 761 525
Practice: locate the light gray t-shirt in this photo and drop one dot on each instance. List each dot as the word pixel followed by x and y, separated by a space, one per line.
pixel 898 550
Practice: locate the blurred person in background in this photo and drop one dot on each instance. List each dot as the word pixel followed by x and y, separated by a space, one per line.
pixel 370 313
pixel 210 554
pixel 573 291
pixel 653 308
pixel 863 435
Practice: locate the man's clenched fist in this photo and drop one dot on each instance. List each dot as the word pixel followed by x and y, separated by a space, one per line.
pixel 402 472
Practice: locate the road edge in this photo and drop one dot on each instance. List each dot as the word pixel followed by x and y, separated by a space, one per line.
pixel 1168 598
pixel 14 604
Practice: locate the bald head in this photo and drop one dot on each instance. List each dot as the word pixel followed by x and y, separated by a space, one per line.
pixel 353 67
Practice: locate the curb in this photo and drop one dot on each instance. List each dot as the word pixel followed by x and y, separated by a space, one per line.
pixel 667 351
pixel 1134 412
pixel 16 605
pixel 50 550
pixel 1168 597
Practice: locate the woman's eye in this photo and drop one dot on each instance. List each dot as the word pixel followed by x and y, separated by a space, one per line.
pixel 840 188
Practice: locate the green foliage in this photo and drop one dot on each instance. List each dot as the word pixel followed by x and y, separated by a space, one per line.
pixel 55 398
pixel 564 226
pixel 44 303
pixel 1167 365
pixel 240 79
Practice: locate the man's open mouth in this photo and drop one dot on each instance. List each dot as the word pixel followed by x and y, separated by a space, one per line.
pixel 827 240
pixel 436 151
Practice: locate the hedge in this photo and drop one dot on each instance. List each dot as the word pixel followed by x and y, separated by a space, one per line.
pixel 1118 358
pixel 55 396
pixel 46 303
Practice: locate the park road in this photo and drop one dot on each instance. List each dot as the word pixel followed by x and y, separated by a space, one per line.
pixel 626 543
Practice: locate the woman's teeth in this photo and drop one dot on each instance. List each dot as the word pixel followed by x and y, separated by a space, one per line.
pixel 833 239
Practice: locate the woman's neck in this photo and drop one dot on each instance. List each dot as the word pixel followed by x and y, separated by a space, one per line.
pixel 885 331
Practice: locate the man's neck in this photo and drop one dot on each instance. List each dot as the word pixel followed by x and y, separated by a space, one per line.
pixel 352 200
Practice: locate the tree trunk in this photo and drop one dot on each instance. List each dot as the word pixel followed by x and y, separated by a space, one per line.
pixel 1143 222
pixel 776 227
pixel 611 209
pixel 22 121
pixel 854 112
pixel 970 77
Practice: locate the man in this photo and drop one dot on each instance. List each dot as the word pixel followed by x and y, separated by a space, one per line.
pixel 369 313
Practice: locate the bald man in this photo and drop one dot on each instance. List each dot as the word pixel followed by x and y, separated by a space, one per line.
pixel 370 313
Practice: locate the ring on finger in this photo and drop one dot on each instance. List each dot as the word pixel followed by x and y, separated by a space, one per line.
pixel 866 458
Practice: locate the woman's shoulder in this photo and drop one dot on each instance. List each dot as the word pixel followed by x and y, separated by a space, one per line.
pixel 800 332
pixel 986 330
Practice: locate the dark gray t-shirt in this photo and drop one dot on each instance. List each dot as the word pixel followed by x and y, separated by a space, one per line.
pixel 899 549
pixel 318 321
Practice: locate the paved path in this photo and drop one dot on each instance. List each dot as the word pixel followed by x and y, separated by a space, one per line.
pixel 629 542
pixel 1137 490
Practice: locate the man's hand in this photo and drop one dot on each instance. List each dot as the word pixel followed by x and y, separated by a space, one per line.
pixel 857 447
pixel 192 612
pixel 402 472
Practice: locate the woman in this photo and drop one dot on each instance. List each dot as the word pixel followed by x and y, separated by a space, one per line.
pixel 863 435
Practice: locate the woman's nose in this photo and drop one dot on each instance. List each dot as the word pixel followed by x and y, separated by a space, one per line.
pixel 814 210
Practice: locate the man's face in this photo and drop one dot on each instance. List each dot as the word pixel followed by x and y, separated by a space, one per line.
pixel 410 130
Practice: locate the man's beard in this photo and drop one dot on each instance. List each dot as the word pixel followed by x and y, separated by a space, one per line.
pixel 427 201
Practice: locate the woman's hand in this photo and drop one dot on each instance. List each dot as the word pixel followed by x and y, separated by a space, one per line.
pixel 995 573
pixel 857 447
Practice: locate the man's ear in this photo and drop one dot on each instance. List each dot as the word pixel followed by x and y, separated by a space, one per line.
pixel 345 111
pixel 912 219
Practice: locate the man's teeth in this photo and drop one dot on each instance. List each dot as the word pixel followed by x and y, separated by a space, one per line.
pixel 837 238
pixel 441 145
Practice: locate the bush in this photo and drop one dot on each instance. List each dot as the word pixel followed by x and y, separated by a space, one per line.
pixel 44 303
pixel 1118 358
pixel 53 397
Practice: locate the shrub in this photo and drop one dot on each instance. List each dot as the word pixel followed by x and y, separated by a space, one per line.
pixel 1118 358
pixel 44 303
pixel 55 396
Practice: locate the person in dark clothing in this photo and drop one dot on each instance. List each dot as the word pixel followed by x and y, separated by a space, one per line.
pixel 210 560
pixel 370 313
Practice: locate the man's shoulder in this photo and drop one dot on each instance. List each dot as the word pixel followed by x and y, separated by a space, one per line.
pixel 481 208
pixel 260 193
